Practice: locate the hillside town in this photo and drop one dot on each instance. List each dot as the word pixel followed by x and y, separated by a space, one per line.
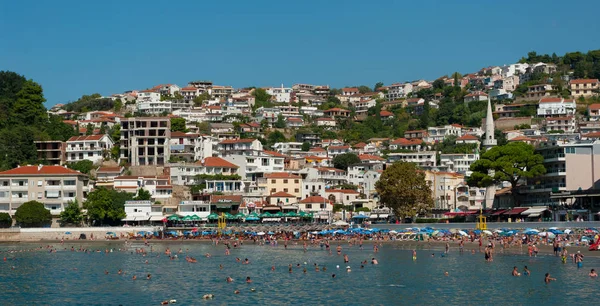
pixel 201 149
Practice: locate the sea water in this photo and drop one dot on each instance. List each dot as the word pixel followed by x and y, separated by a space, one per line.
pixel 77 278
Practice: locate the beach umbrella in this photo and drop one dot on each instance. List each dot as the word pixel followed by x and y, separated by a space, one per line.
pixel 240 216
pixel 212 216
pixel 260 233
pixel 174 218
pixel 543 234
pixel 440 233
pixel 568 231
pixel 462 233
pixel 434 233
pixel 393 232
pixel 187 218
pixel 252 218
pixel 196 218
pixel 553 228
pixel 340 223
pixel 266 215
pixel 551 235
pixel 278 214
pixel 67 233
pixel 498 231
pixel 487 232
pixel 360 217
pixel 111 233
pixel 271 233
pixel 291 214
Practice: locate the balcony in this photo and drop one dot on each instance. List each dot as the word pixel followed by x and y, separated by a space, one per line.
pixel 53 187
pixel 554 158
pixel 555 172
pixel 81 149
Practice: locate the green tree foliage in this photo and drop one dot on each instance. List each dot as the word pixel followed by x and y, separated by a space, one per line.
pixel 83 166
pixel 402 187
pixel 342 161
pixel 10 84
pixel 280 123
pixel 106 206
pixel 305 146
pixel 143 195
pixel 203 127
pixel 261 98
pixel 364 89
pixel 511 162
pixel 89 129
pixel 332 101
pixel 17 147
pixel 117 105
pixel 33 214
pixel 200 99
pixel 377 86
pixel 5 220
pixel 274 137
pixel 178 125
pixel 28 108
pixel 72 214
pixel 449 146
pixel 93 102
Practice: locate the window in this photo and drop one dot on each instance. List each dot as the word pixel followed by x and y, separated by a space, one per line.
pixel 90 154
pixel 40 183
pixel 273 182
pixel 308 206
pixel 285 190
pixel 322 206
pixel 285 181
pixel 347 198
pixel 273 190
pixel 570 150
pixel 40 195
pixel 296 190
pixel 69 182
pixel 296 181
pixel 307 187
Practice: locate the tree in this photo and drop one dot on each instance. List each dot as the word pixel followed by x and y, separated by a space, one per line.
pixel 118 105
pixel 83 166
pixel 89 129
pixel 143 195
pixel 72 214
pixel 203 127
pixel 342 161
pixel 29 108
pixel 106 206
pixel 403 188
pixel 363 89
pixel 511 163
pixel 280 123
pixel 438 84
pixel 275 137
pixel 377 86
pixel 5 220
pixel 115 133
pixel 33 214
pixel 178 125
pixel 199 100
pixel 305 146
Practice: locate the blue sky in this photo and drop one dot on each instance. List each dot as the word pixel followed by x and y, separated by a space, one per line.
pixel 81 47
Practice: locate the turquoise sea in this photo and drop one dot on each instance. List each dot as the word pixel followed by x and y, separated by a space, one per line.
pixel 77 278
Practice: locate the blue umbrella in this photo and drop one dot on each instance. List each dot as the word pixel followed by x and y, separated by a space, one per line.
pixel 111 233
pixel 360 217
pixel 68 233
pixel 187 233
pixel 271 233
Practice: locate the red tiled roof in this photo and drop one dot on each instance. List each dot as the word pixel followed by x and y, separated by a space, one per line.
pixel 317 149
pixel 328 169
pixel 584 81
pixel 336 109
pixel 182 134
pixel 595 106
pixel 239 140
pixel 359 145
pixel 370 157
pixel 293 119
pixel 350 89
pixel 467 137
pixel 551 100
pixel 189 89
pixel 315 157
pixel 275 154
pixel 216 162
pixel 592 135
pixel 70 122
pixel 476 94
pixel 415 131
pixel 281 175
pixel 40 170
pixel 385 114
pixel 346 191
pixel 315 199
pixel 232 198
pixel 282 194
pixel 522 138
pixel 407 142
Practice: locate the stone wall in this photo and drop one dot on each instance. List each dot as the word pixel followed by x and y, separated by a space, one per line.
pixel 38 234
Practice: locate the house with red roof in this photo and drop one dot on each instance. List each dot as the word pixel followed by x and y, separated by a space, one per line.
pixel 413 144
pixel 476 96
pixel 281 199
pixel 326 122
pixel 386 115
pixel 350 91
pixel 584 87
pixel 594 112
pixel 337 112
pixel 52 186
pixel 315 204
pixel 282 182
pixel 159 186
pixel 468 138
pixel 186 173
pixel 333 151
pixel 294 122
pixel 88 147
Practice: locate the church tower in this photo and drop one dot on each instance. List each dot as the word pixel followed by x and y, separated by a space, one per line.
pixel 489 140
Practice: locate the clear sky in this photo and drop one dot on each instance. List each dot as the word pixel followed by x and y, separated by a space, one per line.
pixel 81 47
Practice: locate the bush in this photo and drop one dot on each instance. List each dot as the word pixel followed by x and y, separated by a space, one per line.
pixel 5 220
pixel 33 214
pixel 363 209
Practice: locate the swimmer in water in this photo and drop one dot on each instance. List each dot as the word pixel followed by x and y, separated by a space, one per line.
pixel 414 254
pixel 593 273
pixel 446 273
pixel 229 279
pixel 248 280
pixel 548 279
pixel 149 276
pixel 515 272
pixel 526 271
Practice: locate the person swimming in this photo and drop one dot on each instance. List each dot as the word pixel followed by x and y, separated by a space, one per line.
pixel 515 272
pixel 593 273
pixel 548 278
pixel 374 261
pixel 248 280
pixel 526 271
pixel 229 279
pixel 414 254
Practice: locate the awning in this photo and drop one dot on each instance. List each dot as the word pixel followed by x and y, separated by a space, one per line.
pixel 373 217
pixel 516 211
pixel 533 215
pixel 384 216
pixel 156 218
pixel 499 212
pixel 534 210
pixel 129 219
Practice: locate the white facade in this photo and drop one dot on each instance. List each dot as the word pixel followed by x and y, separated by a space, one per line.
pixel 190 208
pixel 460 163
pixel 280 94
pixel 141 211
pixel 424 158
pixel 549 107
pixel 288 148
pixel 438 134
pixel 256 164
pixel 92 148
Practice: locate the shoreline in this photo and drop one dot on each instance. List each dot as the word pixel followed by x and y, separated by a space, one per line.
pixel 543 249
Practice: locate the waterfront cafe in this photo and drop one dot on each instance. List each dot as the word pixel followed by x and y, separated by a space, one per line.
pixel 225 204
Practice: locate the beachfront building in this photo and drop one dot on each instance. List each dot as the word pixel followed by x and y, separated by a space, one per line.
pixel 159 186
pixel 342 196
pixel 321 207
pixel 53 186
pixel 444 187
pixel 238 146
pixel 145 140
pixel 105 176
pixel 190 208
pixel 186 173
pixel 90 147
pixel 225 203
pixel 460 163
pixel 255 164
pixel 142 212
pixel 282 182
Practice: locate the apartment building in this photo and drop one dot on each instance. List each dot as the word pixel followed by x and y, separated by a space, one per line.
pixel 556 107
pixel 51 152
pixel 443 186
pixel 105 176
pixel 53 186
pixel 567 124
pixel 459 163
pixel 142 212
pixel 439 133
pixel 185 174
pixel 145 140
pixel 342 196
pixel 221 92
pixel 539 91
pixel 92 147
pixel 255 164
pixel 148 102
pixel 333 151
pixel 159 186
pixel 406 144
pixel 282 182
pixel 238 146
pixel 288 148
pixel 183 146
pixel 280 94
pixel 422 159
pixel 594 112
pixel 584 87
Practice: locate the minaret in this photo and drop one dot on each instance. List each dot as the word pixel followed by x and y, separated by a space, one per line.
pixel 488 143
pixel 489 140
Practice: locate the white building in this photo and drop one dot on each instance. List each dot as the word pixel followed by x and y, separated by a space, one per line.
pixel 553 107
pixel 423 158
pixel 280 94
pixel 148 102
pixel 460 163
pixel 254 164
pixel 91 147
pixel 143 211
pixel 438 134
pixel 159 187
pixel 398 91
pixel 238 146
pixel 190 208
pixel 185 174
pixel 287 148
pixel 568 124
